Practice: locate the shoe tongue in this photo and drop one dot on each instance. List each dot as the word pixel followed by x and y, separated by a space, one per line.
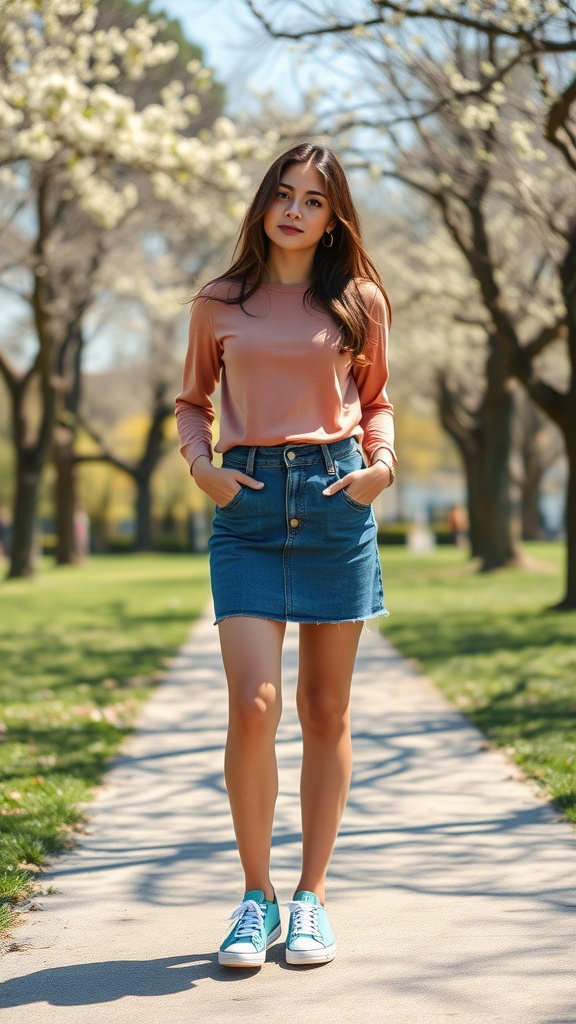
pixel 307 897
pixel 255 894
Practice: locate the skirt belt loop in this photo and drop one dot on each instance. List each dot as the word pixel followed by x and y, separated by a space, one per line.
pixel 250 462
pixel 328 459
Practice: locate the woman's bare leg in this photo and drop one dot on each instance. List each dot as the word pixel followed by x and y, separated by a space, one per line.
pixel 251 652
pixel 327 655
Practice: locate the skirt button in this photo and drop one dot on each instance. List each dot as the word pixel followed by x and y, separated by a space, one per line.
pixel 294 522
pixel 291 455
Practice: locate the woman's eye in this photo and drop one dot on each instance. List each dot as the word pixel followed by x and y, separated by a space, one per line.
pixel 282 195
pixel 314 202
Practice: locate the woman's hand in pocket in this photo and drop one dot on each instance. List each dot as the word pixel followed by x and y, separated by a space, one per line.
pixel 363 485
pixel 220 484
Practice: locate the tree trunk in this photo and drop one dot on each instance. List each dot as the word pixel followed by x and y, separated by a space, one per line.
pixel 531 518
pixel 497 543
pixel 143 540
pixel 30 463
pixel 568 602
pixel 567 423
pixel 28 478
pixel 70 370
pixel 65 502
pixel 536 455
pixel 31 457
pixel 497 547
pixel 484 444
pixel 488 485
pixel 153 452
pixel 473 491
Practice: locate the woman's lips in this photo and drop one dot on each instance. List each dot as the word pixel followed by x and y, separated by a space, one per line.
pixel 288 229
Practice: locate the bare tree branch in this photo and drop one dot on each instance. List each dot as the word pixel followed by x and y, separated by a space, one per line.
pixel 544 338
pixel 529 37
pixel 455 418
pixel 105 455
pixel 557 130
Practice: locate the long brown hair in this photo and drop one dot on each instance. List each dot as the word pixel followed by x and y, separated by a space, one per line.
pixel 335 269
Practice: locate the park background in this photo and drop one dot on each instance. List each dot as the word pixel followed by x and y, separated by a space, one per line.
pixel 130 139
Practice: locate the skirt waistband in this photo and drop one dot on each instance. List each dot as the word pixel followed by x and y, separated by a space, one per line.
pixel 246 457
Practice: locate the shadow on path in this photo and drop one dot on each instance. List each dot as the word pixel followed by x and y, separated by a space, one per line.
pixel 106 981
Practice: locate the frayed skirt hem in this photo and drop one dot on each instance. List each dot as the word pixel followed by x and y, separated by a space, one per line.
pixel 300 619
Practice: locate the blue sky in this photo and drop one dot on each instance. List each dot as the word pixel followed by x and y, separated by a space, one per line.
pixel 237 48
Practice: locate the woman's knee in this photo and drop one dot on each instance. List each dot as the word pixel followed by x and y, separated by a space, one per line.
pixel 256 710
pixel 325 714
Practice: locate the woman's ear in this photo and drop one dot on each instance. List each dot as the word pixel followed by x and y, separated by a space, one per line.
pixel 332 225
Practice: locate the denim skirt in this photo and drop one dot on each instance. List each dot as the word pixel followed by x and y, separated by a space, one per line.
pixel 289 552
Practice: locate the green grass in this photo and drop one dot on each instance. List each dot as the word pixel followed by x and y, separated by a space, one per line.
pixel 492 646
pixel 81 649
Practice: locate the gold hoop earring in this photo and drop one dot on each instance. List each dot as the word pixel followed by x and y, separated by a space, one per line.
pixel 330 243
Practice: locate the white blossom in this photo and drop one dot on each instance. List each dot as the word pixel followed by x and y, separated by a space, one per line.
pixel 479 115
pixel 58 102
pixel 520 132
pixel 8 178
pixel 105 204
pixel 36 144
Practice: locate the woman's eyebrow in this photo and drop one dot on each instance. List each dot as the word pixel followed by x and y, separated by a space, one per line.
pixel 310 192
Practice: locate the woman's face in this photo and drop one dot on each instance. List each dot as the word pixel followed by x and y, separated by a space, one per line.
pixel 300 213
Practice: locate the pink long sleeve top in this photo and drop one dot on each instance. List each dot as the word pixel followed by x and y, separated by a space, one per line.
pixel 283 379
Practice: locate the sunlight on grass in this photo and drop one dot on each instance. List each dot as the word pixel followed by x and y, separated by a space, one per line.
pixel 492 646
pixel 81 650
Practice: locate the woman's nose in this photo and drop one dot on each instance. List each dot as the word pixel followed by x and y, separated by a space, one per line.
pixel 293 209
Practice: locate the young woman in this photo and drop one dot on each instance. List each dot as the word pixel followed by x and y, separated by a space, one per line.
pixel 296 331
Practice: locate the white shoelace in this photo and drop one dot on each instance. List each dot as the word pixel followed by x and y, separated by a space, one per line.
pixel 251 919
pixel 305 919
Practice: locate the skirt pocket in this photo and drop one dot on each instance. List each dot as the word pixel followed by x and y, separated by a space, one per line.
pixel 233 501
pixel 351 464
pixel 351 501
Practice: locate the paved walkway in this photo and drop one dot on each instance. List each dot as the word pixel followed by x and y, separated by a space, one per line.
pixel 453 887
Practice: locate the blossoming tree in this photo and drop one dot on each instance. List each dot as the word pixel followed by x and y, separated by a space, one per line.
pixel 78 154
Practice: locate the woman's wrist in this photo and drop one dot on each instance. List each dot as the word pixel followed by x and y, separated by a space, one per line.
pixel 199 463
pixel 384 458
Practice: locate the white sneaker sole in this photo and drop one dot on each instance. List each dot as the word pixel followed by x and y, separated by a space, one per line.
pixel 311 956
pixel 228 958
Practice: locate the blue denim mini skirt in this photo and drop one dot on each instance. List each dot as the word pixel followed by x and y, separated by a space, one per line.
pixel 288 552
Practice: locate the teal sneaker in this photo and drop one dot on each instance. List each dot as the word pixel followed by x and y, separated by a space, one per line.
pixel 310 937
pixel 257 927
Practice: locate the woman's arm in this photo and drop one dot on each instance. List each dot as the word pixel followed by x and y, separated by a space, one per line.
pixel 377 419
pixel 377 412
pixel 195 412
pixel 194 409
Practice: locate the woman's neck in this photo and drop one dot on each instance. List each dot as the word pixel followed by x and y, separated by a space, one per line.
pixel 289 268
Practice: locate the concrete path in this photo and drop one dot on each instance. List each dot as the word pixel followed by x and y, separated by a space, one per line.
pixel 453 886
